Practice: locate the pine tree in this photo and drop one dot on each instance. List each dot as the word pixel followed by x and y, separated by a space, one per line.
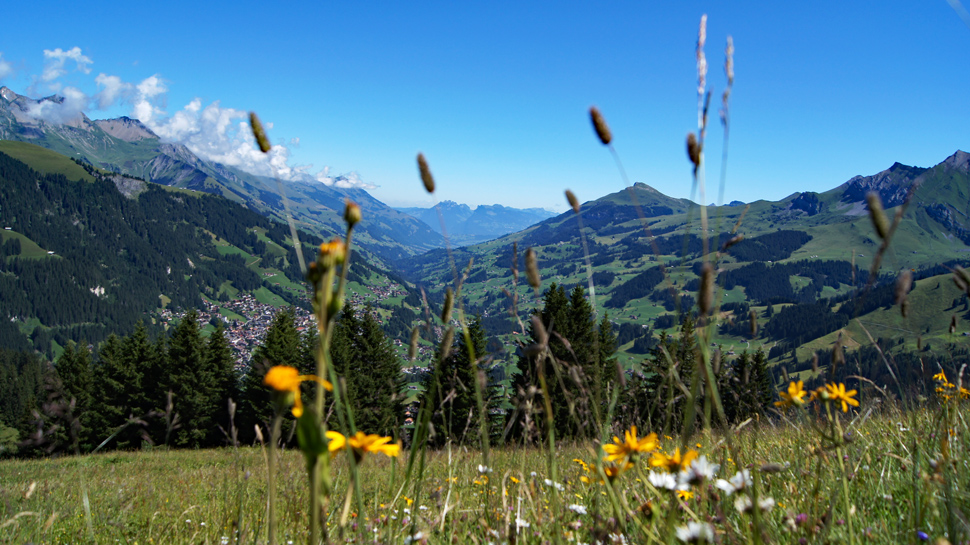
pixel 663 394
pixel 450 389
pixel 365 358
pixel 116 380
pixel 220 360
pixel 581 369
pixel 192 382
pixel 74 375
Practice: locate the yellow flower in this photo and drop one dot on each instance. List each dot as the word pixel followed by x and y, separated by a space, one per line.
pixel 337 441
pixel 941 376
pixel 613 470
pixel 514 480
pixel 286 380
pixel 673 462
pixel 685 494
pixel 363 443
pixel 794 396
pixel 582 464
pixel 630 444
pixel 837 393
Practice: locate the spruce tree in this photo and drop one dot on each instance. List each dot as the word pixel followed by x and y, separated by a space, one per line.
pixel 192 382
pixel 580 370
pixel 450 389
pixel 220 360
pixel 365 358
pixel 116 379
pixel 75 379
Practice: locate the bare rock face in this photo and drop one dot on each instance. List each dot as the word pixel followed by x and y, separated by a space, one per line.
pixel 125 128
pixel 892 185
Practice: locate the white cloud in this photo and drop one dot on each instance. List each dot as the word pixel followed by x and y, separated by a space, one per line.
pixel 56 58
pixel 73 102
pixel 351 180
pixel 212 132
pixel 112 89
pixel 5 68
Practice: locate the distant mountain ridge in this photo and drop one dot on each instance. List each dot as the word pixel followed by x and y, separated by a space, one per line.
pixel 129 147
pixel 486 222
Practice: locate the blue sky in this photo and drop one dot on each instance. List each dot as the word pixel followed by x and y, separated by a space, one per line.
pixel 496 93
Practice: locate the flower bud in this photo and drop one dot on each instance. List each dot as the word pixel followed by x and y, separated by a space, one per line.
pixel 352 214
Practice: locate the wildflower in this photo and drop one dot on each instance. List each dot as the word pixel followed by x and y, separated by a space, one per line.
pixel 332 253
pixel 663 481
pixel 484 470
pixel 700 470
pixel 576 508
pixel 740 481
pixel 286 381
pixel 673 462
pixel 514 480
pixel 941 376
pixel 521 523
pixel 696 532
pixel 685 495
pixel 629 445
pixel 795 396
pixel 352 214
pixel 837 393
pixel 557 486
pixel 582 464
pixel 613 471
pixel 362 443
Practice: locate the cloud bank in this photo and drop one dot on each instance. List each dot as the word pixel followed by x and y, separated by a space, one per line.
pixel 211 131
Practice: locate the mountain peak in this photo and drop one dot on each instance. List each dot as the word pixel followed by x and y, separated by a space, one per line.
pixel 959 161
pixel 125 128
pixel 7 94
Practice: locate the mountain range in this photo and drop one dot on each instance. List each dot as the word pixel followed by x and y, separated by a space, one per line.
pixel 464 226
pixel 804 265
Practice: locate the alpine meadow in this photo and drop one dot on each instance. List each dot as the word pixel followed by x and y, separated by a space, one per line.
pixel 199 350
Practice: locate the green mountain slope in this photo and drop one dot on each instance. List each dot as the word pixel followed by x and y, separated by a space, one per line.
pixel 644 250
pixel 126 146
pixel 119 256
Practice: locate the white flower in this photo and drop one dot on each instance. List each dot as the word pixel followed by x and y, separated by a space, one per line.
pixel 695 532
pixel 578 509
pixel 740 481
pixel 423 508
pixel 555 485
pixel 521 523
pixel 416 537
pixel 700 470
pixel 224 540
pixel 742 503
pixel 663 481
pixel 533 475
pixel 484 470
pixel 766 504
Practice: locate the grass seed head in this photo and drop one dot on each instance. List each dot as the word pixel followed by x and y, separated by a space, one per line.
pixel 446 342
pixel 877 215
pixel 705 295
pixel 449 305
pixel 259 133
pixel 426 177
pixel 599 124
pixel 694 150
pixel 573 201
pixel 953 324
pixel 413 346
pixel 962 279
pixel 532 269
pixel 753 320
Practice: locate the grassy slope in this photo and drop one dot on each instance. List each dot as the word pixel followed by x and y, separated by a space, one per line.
pixel 44 160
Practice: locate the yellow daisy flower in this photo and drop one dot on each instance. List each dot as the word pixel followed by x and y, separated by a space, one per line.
pixel 837 393
pixel 673 462
pixel 286 381
pixel 630 444
pixel 795 396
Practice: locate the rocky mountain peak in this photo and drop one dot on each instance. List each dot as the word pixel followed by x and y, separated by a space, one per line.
pixel 959 161
pixel 7 94
pixel 125 128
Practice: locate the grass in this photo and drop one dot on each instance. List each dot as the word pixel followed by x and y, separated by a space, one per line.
pixel 212 496
pixel 28 248
pixel 44 160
